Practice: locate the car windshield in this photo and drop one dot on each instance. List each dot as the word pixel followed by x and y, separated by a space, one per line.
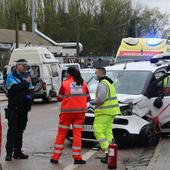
pixel 87 76
pixel 126 82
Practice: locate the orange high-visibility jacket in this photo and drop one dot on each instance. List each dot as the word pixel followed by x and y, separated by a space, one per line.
pixel 75 97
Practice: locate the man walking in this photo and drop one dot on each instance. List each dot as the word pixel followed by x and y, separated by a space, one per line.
pixel 106 108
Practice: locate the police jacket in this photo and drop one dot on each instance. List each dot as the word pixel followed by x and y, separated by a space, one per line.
pixel 19 91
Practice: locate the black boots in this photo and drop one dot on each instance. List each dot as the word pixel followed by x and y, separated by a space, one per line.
pixel 16 155
pixel 79 161
pixel 104 159
pixel 54 161
pixel 20 155
pixel 8 157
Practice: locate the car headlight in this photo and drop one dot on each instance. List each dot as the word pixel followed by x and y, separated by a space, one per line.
pixel 126 109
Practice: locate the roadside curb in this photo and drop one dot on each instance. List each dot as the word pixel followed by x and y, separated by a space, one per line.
pixel 155 156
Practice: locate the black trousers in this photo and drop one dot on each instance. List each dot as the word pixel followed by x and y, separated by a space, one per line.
pixel 17 121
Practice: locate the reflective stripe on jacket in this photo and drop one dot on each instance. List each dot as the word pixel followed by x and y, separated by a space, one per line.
pixel 74 98
pixel 110 106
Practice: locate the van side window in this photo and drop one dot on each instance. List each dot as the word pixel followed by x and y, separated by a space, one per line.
pixel 35 71
pixel 54 70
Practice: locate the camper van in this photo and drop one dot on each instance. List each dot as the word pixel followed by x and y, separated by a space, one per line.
pixel 45 70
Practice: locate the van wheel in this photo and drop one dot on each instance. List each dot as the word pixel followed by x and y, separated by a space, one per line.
pixel 46 99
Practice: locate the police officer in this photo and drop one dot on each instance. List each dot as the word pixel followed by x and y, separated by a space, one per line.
pixel 19 89
pixel 74 95
pixel 106 108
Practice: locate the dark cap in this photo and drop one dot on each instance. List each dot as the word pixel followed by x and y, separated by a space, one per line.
pixel 22 61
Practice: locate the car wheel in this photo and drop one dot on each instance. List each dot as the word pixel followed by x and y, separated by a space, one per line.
pixel 123 138
pixel 148 136
pixel 46 99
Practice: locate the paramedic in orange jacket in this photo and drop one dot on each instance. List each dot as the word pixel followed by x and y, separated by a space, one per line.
pixel 74 96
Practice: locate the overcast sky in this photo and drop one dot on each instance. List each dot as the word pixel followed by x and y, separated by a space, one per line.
pixel 164 5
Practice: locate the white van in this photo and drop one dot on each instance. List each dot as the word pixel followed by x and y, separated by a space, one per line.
pixel 46 72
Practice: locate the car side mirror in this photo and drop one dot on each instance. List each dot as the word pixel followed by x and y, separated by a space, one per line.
pixel 158 102
pixel 168 68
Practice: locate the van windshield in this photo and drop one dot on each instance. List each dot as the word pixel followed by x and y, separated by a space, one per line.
pixel 127 82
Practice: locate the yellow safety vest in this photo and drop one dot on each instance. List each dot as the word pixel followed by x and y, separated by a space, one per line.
pixel 110 106
pixel 166 82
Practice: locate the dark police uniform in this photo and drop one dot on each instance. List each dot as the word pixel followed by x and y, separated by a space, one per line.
pixel 19 103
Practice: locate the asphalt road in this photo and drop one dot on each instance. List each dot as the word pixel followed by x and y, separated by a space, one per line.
pixel 39 140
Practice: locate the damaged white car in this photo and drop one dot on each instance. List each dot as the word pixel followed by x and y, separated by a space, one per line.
pixel 144 102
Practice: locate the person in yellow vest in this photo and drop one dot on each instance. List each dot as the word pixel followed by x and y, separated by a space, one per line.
pixel 106 108
pixel 166 86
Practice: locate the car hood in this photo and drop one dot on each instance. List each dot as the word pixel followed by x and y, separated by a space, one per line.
pixel 140 102
pixel 123 98
pixel 127 98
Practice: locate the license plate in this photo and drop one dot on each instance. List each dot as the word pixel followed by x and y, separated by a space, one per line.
pixel 88 128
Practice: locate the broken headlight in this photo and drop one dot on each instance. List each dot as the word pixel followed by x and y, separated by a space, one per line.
pixel 126 109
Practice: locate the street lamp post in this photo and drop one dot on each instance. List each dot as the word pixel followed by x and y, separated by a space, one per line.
pixel 17 29
pixel 33 22
pixel 77 28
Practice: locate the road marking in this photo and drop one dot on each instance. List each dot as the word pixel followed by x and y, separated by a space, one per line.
pixel 53 108
pixel 85 156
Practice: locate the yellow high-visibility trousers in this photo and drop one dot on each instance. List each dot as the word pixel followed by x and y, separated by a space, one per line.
pixel 103 130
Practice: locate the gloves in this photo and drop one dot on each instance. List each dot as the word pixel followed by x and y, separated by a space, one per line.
pixel 29 98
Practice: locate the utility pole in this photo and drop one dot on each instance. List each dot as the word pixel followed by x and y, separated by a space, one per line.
pixel 136 29
pixel 77 28
pixel 33 22
pixel 17 29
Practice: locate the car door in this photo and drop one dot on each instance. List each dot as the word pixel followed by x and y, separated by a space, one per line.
pixel 159 92
pixel 55 77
